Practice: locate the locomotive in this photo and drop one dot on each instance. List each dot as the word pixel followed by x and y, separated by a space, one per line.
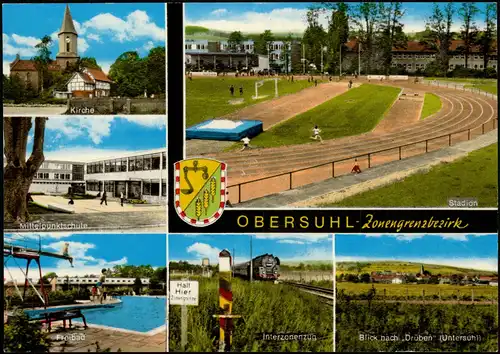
pixel 265 267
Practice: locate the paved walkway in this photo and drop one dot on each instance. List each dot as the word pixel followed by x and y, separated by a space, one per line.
pixel 79 339
pixel 32 111
pixel 83 206
pixel 336 189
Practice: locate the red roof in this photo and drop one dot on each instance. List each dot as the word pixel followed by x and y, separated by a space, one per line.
pixel 86 78
pixel 98 74
pixel 29 65
pixel 416 46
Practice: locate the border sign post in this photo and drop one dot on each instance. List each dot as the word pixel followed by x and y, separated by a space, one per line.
pixel 225 302
pixel 184 293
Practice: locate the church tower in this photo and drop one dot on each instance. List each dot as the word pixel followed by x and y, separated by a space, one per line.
pixel 68 42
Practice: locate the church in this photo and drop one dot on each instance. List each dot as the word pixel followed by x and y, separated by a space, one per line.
pixel 90 82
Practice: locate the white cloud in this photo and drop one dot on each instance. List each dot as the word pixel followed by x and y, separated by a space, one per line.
pixel 136 25
pixel 488 264
pixel 97 127
pixel 82 45
pixel 148 45
pixel 304 238
pixel 94 37
pixel 292 242
pixel 204 250
pixel 219 12
pixel 6 67
pixel 15 44
pixel 310 254
pixel 411 237
pixel 278 20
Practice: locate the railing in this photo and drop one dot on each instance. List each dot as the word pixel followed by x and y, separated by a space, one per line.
pixel 460 86
pixel 364 160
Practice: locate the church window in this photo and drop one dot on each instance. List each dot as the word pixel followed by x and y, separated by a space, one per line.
pixel 68 41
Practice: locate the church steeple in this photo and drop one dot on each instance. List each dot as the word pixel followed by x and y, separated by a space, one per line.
pixel 68 26
pixel 68 41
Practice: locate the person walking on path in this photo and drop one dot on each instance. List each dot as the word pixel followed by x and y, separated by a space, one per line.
pixel 241 90
pixel 121 198
pixel 104 198
pixel 231 90
pixel 316 135
pixel 355 168
pixel 246 143
pixel 315 83
pixel 350 83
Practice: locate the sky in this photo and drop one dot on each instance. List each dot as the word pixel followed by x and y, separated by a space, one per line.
pixel 105 31
pixel 290 247
pixel 87 138
pixel 460 250
pixel 91 252
pixel 289 17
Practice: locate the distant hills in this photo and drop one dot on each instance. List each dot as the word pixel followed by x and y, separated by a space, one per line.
pixel 404 267
pixel 199 32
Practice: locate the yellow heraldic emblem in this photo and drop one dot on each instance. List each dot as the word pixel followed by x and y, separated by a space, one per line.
pixel 200 190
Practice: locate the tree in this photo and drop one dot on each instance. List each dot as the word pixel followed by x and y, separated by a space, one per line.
pixel 487 38
pixel 87 62
pixel 467 13
pixel 155 69
pixel 288 51
pixel 234 41
pixel 19 173
pixel 314 38
pixel 365 278
pixel 391 31
pixel 129 75
pixel 439 35
pixel 47 277
pixel 42 59
pixel 337 34
pixel 365 16
pixel 264 42
pixel 137 285
pixel 23 336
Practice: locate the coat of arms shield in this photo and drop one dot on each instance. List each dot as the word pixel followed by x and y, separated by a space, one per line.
pixel 200 190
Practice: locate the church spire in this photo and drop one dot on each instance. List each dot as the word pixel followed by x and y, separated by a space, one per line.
pixel 67 25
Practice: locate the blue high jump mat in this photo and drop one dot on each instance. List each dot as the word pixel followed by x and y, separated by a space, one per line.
pixel 225 129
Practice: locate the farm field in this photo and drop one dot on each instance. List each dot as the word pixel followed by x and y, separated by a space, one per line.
pixel 399 320
pixel 355 112
pixel 401 267
pixel 415 291
pixel 266 308
pixel 475 175
pixel 208 98
pixel 432 105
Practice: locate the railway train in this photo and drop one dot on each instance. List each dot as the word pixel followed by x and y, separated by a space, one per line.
pixel 265 267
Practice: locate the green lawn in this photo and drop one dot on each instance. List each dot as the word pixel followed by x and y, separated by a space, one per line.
pixel 355 112
pixel 208 98
pixel 491 88
pixel 432 104
pixel 473 176
pixel 488 85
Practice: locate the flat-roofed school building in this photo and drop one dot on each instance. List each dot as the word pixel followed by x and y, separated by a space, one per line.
pixel 139 176
pixel 55 177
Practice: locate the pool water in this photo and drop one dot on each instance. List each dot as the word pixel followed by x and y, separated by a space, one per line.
pixel 135 313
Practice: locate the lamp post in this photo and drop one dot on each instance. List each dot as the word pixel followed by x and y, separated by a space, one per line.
pixel 323 49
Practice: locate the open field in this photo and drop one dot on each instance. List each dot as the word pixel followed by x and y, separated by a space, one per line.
pixel 415 291
pixel 266 308
pixel 208 98
pixel 432 104
pixel 402 267
pixel 491 88
pixel 473 176
pixel 357 111
pixel 401 323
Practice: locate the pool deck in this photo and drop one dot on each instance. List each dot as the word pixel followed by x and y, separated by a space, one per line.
pixel 78 339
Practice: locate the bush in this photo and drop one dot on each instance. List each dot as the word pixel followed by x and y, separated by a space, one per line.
pixel 23 336
pixel 137 201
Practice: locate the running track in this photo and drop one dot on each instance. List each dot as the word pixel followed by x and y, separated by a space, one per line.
pixel 460 111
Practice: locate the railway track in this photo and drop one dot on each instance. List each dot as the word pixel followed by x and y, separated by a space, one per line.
pixel 324 293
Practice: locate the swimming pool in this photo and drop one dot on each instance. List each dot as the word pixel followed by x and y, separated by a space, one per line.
pixel 134 313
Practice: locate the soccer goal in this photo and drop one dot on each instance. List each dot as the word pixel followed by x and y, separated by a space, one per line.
pixel 260 83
